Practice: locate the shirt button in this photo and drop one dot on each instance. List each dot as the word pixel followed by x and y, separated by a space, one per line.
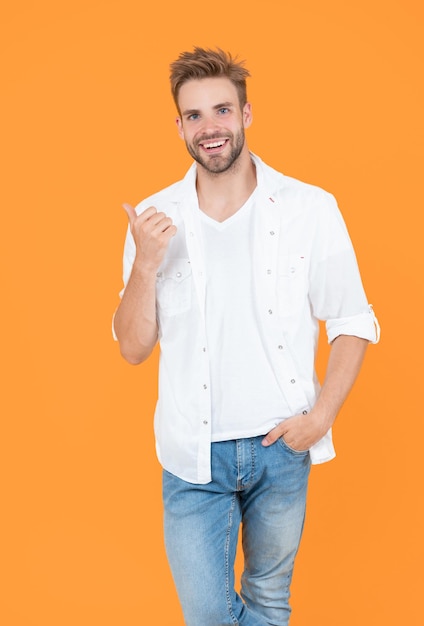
pixel 159 274
pixel 205 386
pixel 205 422
pixel 280 347
pixel 292 381
pixel 204 349
pixel 178 274
pixel 268 272
pixel 271 232
pixel 270 311
pixel 304 412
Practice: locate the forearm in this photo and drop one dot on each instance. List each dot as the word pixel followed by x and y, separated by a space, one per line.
pixel 344 363
pixel 135 321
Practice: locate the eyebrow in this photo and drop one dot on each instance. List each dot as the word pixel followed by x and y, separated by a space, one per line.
pixel 216 107
pixel 223 105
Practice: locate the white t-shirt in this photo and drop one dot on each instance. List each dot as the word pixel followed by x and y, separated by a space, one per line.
pixel 246 397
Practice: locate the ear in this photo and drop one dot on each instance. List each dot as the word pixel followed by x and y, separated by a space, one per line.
pixel 247 115
pixel 180 127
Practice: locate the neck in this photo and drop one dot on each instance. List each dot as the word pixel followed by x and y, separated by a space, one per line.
pixel 222 195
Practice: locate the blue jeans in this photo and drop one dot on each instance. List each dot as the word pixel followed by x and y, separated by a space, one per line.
pixel 265 490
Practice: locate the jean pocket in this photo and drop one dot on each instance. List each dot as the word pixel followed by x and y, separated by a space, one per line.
pixel 173 286
pixel 286 446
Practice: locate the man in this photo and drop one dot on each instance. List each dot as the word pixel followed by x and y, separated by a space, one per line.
pixel 231 269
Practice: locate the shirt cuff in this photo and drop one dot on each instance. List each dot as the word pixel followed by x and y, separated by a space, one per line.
pixel 364 325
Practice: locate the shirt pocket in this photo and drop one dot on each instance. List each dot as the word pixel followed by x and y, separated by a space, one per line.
pixel 291 284
pixel 173 286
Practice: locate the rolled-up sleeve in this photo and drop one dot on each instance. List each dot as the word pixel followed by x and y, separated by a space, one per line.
pixel 364 325
pixel 336 291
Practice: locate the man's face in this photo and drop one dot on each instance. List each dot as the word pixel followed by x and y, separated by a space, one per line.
pixel 212 123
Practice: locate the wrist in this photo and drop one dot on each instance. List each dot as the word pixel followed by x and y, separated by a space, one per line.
pixel 144 270
pixel 321 419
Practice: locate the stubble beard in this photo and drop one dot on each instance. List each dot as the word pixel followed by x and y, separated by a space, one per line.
pixel 218 164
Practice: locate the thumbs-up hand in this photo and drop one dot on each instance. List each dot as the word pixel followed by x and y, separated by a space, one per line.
pixel 152 232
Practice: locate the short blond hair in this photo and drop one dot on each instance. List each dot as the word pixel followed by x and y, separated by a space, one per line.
pixel 207 63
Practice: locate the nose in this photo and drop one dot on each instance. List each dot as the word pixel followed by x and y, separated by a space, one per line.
pixel 210 124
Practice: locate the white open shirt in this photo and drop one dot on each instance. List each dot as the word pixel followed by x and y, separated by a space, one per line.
pixel 304 270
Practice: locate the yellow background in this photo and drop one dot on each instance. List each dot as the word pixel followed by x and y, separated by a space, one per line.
pixel 87 124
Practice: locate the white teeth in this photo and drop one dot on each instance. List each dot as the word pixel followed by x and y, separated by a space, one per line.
pixel 217 144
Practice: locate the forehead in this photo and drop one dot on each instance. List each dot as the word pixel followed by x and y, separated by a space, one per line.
pixel 206 92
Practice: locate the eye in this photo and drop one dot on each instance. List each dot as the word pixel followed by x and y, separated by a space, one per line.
pixel 193 116
pixel 223 110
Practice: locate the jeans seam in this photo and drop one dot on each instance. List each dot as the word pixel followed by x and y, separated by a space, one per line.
pixel 240 485
pixel 239 481
pixel 253 460
pixel 227 560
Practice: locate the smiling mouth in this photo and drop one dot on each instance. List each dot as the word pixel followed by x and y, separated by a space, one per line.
pixel 215 145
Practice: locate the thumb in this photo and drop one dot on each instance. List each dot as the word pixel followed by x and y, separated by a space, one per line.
pixel 270 438
pixel 130 211
pixel 273 435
